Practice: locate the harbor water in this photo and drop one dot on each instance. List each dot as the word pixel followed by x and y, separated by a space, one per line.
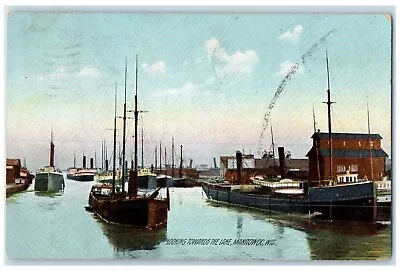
pixel 57 227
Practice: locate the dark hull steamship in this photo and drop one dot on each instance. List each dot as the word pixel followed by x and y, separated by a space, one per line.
pixel 128 208
pixel 331 194
pixel 49 179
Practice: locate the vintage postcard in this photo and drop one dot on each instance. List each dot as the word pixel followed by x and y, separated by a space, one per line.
pixel 231 136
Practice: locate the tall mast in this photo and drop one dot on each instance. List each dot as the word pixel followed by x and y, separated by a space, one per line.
pixel 370 145
pixel 173 151
pixel 74 158
pixel 136 126
pixel 123 132
pixel 142 146
pixel 155 159
pixel 329 102
pixel 160 161
pixel 102 155
pixel 316 147
pixel 181 164
pixel 165 158
pixel 114 139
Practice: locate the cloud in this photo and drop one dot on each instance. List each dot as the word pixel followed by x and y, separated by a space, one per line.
pixel 88 72
pixel 187 89
pixel 234 64
pixel 286 67
pixel 292 36
pixel 157 68
pixel 62 74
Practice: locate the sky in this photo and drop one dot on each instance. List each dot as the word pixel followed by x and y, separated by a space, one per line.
pixel 206 80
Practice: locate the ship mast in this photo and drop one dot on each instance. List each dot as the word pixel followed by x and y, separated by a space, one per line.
pixel 123 137
pixel 142 147
pixel 370 144
pixel 328 103
pixel 165 165
pixel 135 176
pixel 155 159
pixel 173 152
pixel 114 140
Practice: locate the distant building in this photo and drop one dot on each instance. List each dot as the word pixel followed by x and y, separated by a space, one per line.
pixel 13 169
pixel 266 166
pixel 355 153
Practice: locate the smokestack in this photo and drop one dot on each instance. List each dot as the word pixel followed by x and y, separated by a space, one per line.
pixel 215 162
pixel 91 163
pixel 239 167
pixel 51 154
pixel 84 162
pixel 180 165
pixel 282 165
pixel 106 165
pixel 191 162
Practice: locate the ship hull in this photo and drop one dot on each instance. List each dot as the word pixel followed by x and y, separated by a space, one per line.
pixel 356 201
pixel 265 202
pixel 344 207
pixel 140 211
pixel 49 182
pixel 81 178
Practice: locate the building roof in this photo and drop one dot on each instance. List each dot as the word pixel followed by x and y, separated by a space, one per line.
pixel 354 153
pixel 13 162
pixel 346 136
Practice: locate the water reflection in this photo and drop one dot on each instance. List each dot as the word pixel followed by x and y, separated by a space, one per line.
pixel 49 194
pixel 337 240
pixel 124 238
pixel 349 241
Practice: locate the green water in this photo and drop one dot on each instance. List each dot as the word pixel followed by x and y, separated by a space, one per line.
pixel 57 227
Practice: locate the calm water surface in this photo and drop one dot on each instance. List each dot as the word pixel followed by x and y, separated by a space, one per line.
pixel 57 226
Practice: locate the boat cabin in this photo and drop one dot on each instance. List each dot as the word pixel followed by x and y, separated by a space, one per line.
pixel 347 178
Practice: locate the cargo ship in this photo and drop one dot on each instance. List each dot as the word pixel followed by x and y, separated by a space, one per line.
pixel 128 208
pixel 81 174
pixel 48 178
pixel 343 198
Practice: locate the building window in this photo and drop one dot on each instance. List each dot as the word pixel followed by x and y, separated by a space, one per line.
pixel 354 168
pixel 347 179
pixel 341 168
pixel 371 143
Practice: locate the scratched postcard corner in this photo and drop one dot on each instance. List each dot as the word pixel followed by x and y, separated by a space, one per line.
pixel 198 136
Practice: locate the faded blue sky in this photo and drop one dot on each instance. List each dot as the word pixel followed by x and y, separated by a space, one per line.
pixel 206 79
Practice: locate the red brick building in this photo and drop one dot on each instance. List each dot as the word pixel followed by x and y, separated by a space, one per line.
pixel 13 169
pixel 356 153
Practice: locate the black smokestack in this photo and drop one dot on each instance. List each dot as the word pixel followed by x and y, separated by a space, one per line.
pixel 51 154
pixel 91 163
pixel 84 162
pixel 239 167
pixel 106 165
pixel 215 162
pixel 282 165
pixel 191 162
